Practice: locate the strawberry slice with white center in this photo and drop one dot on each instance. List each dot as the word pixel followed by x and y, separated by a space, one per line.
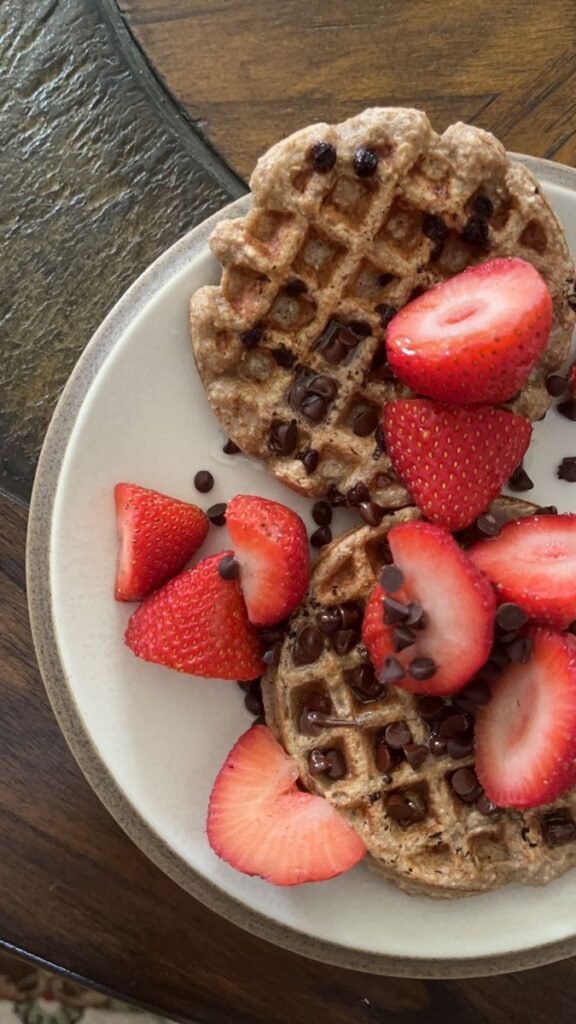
pixel 459 609
pixel 454 461
pixel 532 562
pixel 525 736
pixel 260 823
pixel 271 546
pixel 475 337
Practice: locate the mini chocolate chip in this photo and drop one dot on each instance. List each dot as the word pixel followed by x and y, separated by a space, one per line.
pixel 473 696
pixel 335 764
pixel 322 513
pixel 416 616
pixel 348 338
pixel 365 161
pixel 483 206
pixel 437 745
pixel 380 439
pixel 298 392
pixel 488 525
pixel 556 385
pixel 334 351
pixel 229 568
pixel 271 657
pixel 422 669
pixel 283 437
pixel 365 422
pixel 360 327
pixel 308 646
pixel 385 312
pixel 271 635
pixel 434 227
pixel 310 460
pixel 203 481
pixel 406 808
pixel 403 637
pixel 313 408
pixel 485 805
pixel 548 510
pixel 351 615
pixel 460 745
pixel 520 481
pixel 321 536
pixel 490 671
pixel 371 512
pixel 394 611
pixel 317 763
pixel 253 698
pixel 397 734
pixel 329 620
pixel 250 339
pixel 415 754
pixel 295 286
pixel 454 724
pixel 567 409
pixel 558 828
pixel 429 708
pixel 284 357
pixel 217 513
pixel 391 578
pixel 357 493
pixel 244 684
pixel 510 616
pixel 335 497
pixel 316 704
pixel 392 670
pixel 383 757
pixel 344 640
pixel 260 720
pixel 475 232
pixel 466 785
pixel 363 682
pixel 230 448
pixel 322 156
pixel 567 470
pixel 325 387
pixel 520 651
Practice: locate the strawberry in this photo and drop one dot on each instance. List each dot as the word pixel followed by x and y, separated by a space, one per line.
pixel 157 535
pixel 475 337
pixel 260 823
pixel 532 562
pixel 271 546
pixel 453 461
pixel 459 608
pixel 197 623
pixel 526 735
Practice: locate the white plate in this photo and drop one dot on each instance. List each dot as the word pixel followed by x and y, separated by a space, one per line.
pixel 151 741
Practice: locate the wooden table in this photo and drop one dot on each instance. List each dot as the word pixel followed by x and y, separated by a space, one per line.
pixel 136 173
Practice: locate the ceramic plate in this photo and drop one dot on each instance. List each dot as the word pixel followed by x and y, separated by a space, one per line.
pixel 151 741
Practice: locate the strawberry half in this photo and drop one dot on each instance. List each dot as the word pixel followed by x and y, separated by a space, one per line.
pixel 260 823
pixel 459 608
pixel 475 337
pixel 532 562
pixel 271 546
pixel 157 536
pixel 525 736
pixel 453 461
pixel 197 623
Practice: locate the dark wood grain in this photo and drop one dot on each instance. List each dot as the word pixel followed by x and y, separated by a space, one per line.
pixel 249 72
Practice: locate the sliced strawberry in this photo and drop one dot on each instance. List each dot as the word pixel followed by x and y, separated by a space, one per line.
pixel 260 823
pixel 475 337
pixel 526 735
pixel 197 623
pixel 271 545
pixel 453 461
pixel 532 562
pixel 459 609
pixel 157 535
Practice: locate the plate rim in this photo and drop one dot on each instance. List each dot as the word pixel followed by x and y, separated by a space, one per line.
pixel 44 634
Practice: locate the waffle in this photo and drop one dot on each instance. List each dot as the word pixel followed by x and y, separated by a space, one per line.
pixel 288 346
pixel 456 848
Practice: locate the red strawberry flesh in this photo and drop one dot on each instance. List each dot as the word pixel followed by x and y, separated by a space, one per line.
pixel 474 338
pixel 260 823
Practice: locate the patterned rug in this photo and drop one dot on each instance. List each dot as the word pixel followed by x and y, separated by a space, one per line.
pixel 35 996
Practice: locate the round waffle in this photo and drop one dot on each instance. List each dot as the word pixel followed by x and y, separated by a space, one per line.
pixel 348 223
pixel 444 844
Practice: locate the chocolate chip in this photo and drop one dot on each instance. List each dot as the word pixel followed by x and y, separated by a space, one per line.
pixel 558 828
pixel 360 327
pixel 322 156
pixel 365 422
pixel 344 640
pixel 329 620
pixel 284 357
pixel 403 637
pixel 475 232
pixel 453 724
pixel 567 409
pixel 253 698
pixel 392 670
pixel 567 470
pixel 217 513
pixel 243 684
pixel 434 227
pixel 250 339
pixel 520 651
pixel 437 745
pixel 520 481
pixel 466 785
pixel 485 805
pixel 271 657
pixel 473 696
pixel 548 510
pixel 397 734
pixel 358 493
pixel 335 497
pixel 317 763
pixel 230 448
pixel 422 669
pixel 324 386
pixel 313 408
pixel 510 617
pixel 380 441
pixel 371 513
pixel 416 616
pixel 365 161
pixel 334 351
pixel 271 635
pixel 406 808
pixel 322 513
pixel 308 646
pixel 363 682
pixel 460 745
pixel 283 437
pixel 385 312
pixel 483 206
pixel 320 537
pixel 310 460
pixel 391 578
pixel 316 704
pixel 430 708
pixel 203 481
pixel 556 384
pixel 395 611
pixel 351 615
pixel 294 286
pixel 228 568
pixel 335 764
pixel 415 754
pixel 383 757
pixel 490 671
pixel 488 525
